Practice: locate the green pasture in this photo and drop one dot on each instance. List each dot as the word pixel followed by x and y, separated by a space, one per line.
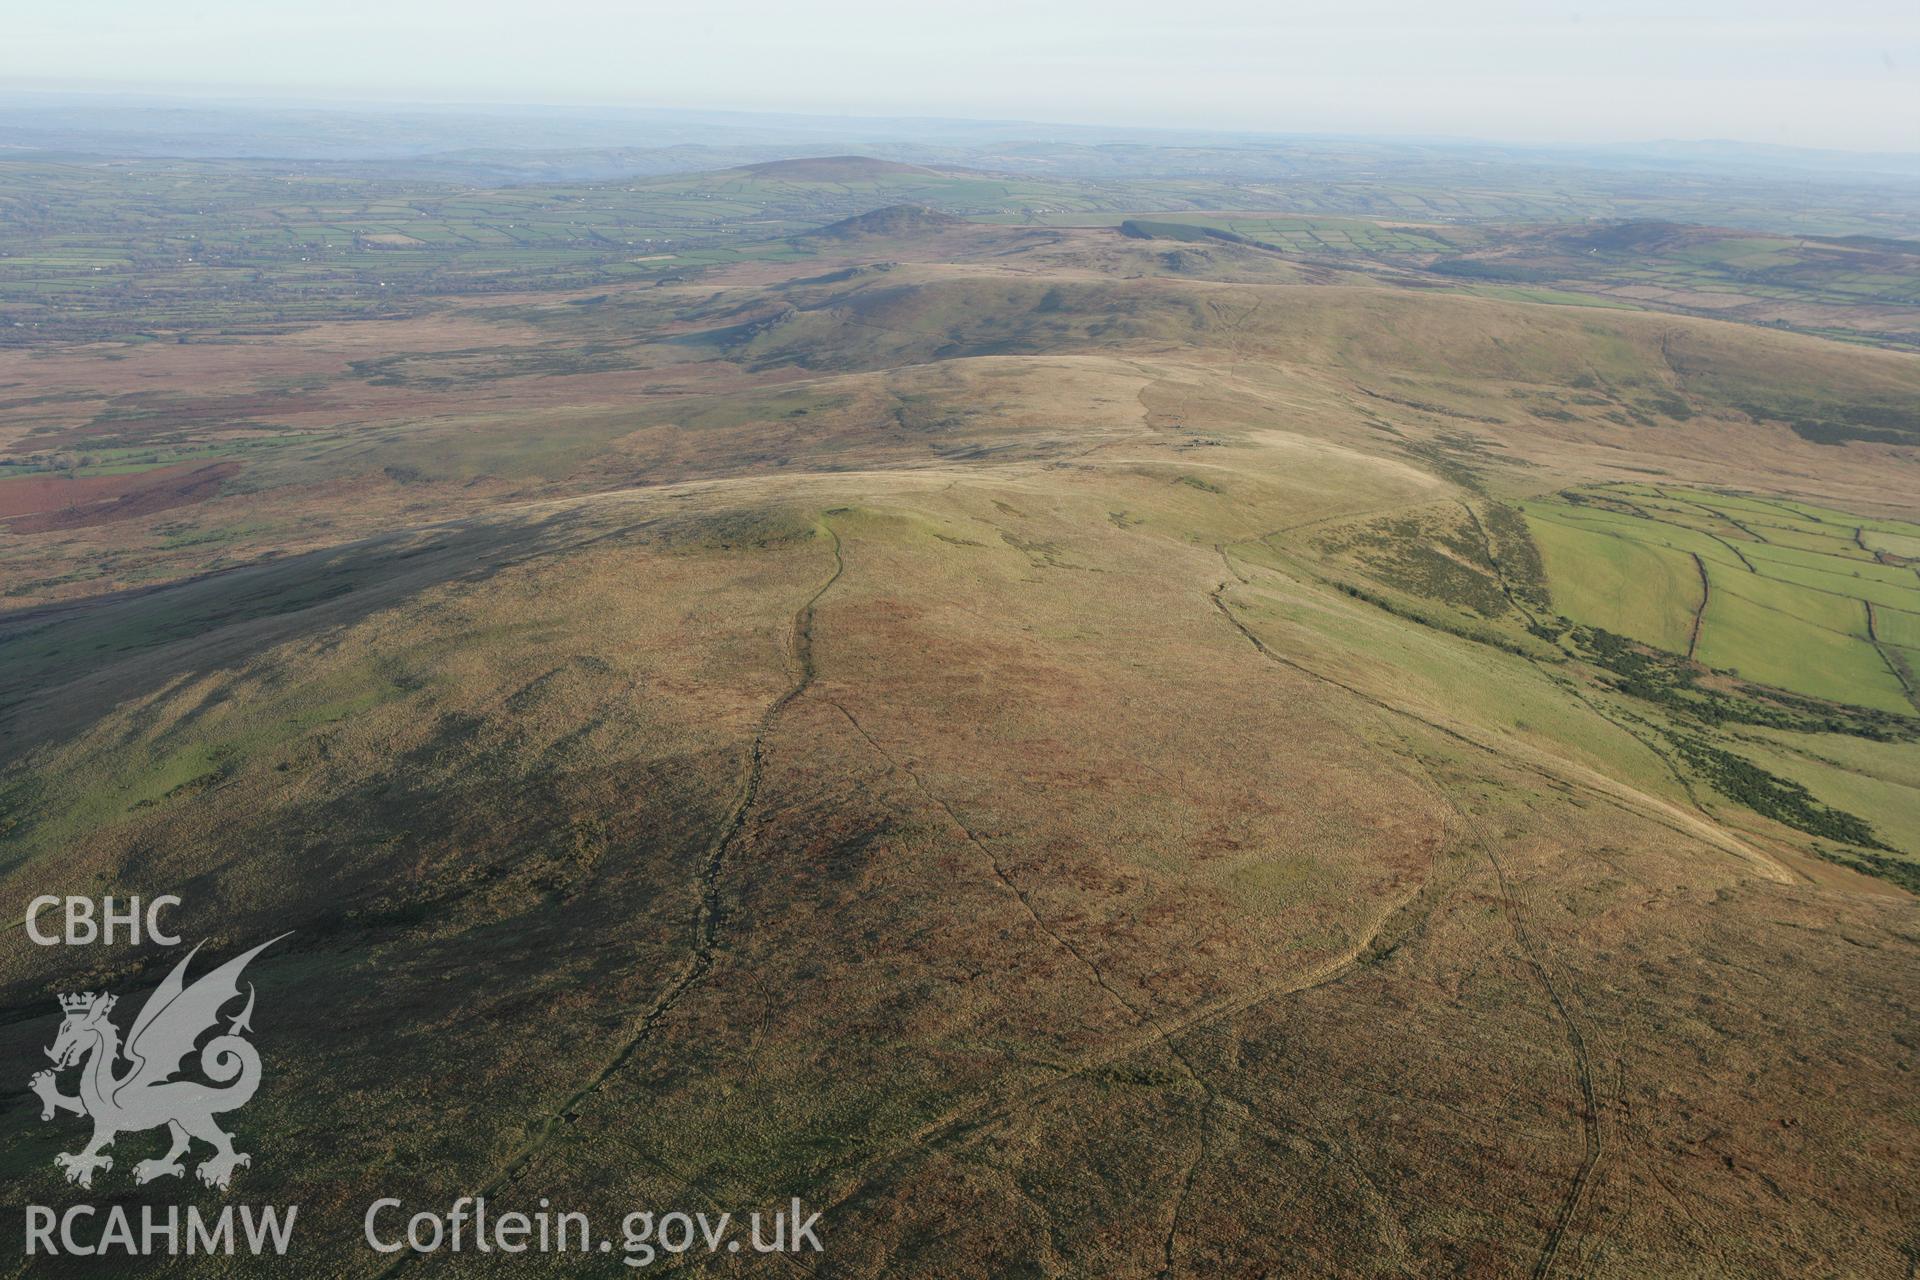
pixel 1635 588
pixel 1800 597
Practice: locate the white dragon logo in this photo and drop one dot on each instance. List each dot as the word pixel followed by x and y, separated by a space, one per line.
pixel 146 1095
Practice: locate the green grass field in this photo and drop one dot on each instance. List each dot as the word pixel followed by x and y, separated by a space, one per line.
pixel 1638 588
pixel 1803 598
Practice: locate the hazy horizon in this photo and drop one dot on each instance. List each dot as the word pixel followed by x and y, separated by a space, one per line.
pixel 1847 79
pixel 230 97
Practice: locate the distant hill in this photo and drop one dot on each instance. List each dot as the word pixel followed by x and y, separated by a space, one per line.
pixel 833 169
pixel 1638 236
pixel 892 221
pixel 1142 229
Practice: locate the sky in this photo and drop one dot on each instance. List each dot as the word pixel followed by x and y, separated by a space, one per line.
pixel 1833 73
